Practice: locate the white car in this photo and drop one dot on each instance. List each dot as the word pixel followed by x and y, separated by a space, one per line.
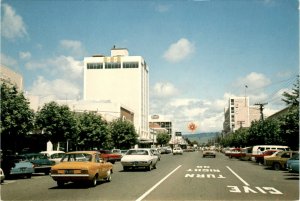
pixel 177 150
pixel 140 157
pixel 55 156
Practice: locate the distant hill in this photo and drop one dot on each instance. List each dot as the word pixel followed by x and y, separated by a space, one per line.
pixel 200 137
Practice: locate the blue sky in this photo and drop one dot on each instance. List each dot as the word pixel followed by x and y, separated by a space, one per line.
pixel 199 52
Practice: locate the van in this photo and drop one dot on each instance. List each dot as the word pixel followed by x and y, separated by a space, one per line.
pixel 259 149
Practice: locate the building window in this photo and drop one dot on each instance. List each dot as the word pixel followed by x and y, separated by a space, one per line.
pixel 231 101
pixel 109 65
pixel 130 64
pixel 94 65
pixel 232 110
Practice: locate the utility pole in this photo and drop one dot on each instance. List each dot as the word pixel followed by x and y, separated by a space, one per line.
pixel 261 108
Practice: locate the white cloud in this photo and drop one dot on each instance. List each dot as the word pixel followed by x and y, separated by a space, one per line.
pixel 73 47
pixel 179 51
pixel 25 55
pixel 12 25
pixel 164 90
pixel 56 89
pixel 61 66
pixel 8 61
pixel 254 80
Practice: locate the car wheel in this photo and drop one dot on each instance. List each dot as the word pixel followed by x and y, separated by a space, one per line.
pixel 277 166
pixel 125 168
pixel 94 181
pixel 148 168
pixel 108 178
pixel 28 176
pixel 60 183
pixel 154 166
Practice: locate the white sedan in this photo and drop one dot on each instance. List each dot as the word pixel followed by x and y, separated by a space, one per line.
pixel 140 157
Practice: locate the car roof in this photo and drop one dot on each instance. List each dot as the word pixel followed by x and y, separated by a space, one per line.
pixel 83 152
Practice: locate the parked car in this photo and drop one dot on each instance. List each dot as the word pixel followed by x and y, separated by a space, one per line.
pixel 2 175
pixel 235 153
pixel 177 150
pixel 41 163
pixel 55 156
pixel 156 153
pixel 292 164
pixel 14 165
pixel 209 153
pixel 279 161
pixel 82 166
pixel 246 154
pixel 140 157
pixel 258 150
pixel 110 156
pixel 260 158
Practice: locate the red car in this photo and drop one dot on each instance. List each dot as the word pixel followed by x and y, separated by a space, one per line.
pixel 259 158
pixel 235 153
pixel 110 156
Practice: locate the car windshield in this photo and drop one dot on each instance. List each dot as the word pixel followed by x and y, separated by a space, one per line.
pixel 77 157
pixel 137 152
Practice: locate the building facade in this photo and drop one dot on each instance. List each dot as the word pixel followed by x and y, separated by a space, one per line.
pixel 120 78
pixel 239 114
pixel 162 122
pixel 11 77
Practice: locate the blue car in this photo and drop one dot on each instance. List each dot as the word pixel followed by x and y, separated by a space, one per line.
pixel 293 164
pixel 41 163
pixel 17 166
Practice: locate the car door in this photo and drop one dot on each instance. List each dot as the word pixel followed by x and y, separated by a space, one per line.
pixel 100 166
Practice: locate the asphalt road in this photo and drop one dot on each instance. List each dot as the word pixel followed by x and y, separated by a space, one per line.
pixel 186 177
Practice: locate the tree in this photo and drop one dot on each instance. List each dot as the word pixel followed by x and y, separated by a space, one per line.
pixel 292 98
pixel 163 138
pixel 16 118
pixel 123 134
pixel 58 122
pixel 93 131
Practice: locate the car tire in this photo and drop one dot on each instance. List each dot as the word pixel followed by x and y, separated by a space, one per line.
pixel 125 168
pixel 60 183
pixel 148 168
pixel 94 181
pixel 276 166
pixel 108 178
pixel 28 176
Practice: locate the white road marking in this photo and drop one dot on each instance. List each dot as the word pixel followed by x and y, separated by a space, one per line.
pixel 157 184
pixel 242 180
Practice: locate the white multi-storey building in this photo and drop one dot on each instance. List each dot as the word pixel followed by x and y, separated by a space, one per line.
pixel 239 114
pixel 120 78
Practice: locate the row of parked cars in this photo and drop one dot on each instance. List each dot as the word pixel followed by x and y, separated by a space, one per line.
pixel 274 156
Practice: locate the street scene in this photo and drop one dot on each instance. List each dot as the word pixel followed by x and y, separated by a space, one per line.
pixel 177 177
pixel 149 100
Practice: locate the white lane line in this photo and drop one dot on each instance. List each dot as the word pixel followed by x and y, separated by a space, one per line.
pixel 157 184
pixel 240 178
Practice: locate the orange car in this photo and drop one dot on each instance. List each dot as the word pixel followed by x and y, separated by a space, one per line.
pixel 78 166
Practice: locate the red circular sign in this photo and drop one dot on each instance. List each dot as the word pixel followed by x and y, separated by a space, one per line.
pixel 192 126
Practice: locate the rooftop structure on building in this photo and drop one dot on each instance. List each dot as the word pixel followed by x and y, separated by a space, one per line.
pixel 120 78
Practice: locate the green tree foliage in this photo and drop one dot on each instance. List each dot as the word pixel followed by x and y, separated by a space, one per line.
pixel 16 117
pixel 292 98
pixel 123 134
pixel 289 128
pixel 163 138
pixel 93 132
pixel 58 122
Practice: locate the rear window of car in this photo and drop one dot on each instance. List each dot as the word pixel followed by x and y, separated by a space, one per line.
pixel 137 152
pixel 77 157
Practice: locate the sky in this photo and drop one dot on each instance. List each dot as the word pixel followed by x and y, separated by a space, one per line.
pixel 199 52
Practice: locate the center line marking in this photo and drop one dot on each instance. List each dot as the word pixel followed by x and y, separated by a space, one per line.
pixel 240 178
pixel 157 184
